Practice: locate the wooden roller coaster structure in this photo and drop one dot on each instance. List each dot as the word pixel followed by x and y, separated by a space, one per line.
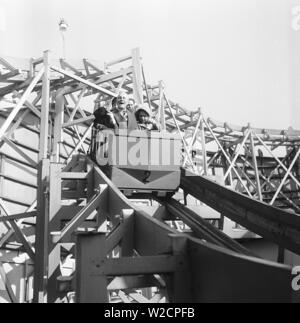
pixel 67 231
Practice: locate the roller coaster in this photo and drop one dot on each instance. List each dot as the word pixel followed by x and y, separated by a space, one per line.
pixel 76 228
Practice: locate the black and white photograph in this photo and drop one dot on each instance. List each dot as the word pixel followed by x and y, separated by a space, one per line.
pixel 149 154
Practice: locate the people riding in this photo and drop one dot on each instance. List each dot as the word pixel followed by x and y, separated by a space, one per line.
pixel 118 116
pixel 121 115
pixel 102 119
pixel 145 120
pixel 131 105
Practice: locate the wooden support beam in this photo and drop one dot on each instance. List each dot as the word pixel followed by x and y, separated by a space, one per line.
pixel 122 234
pixel 258 185
pixel 6 76
pixel 15 217
pixel 19 151
pixel 18 233
pixel 137 76
pixel 83 214
pixel 180 283
pixel 132 282
pixel 91 284
pixel 80 142
pixel 7 284
pixel 74 175
pixel 81 80
pixel 118 61
pixel 77 107
pixel 128 266
pixel 19 105
pixel 78 121
pixel 227 158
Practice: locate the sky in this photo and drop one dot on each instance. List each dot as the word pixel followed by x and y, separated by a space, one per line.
pixel 239 60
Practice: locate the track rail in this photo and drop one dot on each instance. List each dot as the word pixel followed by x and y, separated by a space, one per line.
pixel 204 230
pixel 272 223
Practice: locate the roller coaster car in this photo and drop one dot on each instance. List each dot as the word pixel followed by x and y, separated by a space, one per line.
pixel 140 161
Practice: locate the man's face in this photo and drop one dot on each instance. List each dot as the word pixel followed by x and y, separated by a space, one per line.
pixel 122 100
pixel 130 105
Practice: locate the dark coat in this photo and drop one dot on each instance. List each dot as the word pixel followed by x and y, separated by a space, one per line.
pixel 103 119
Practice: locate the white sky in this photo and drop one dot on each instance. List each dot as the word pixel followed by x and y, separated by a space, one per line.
pixel 237 59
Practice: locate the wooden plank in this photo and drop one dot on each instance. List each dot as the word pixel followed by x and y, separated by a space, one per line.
pixel 91 285
pixel 19 105
pixel 6 76
pixel 113 76
pixel 139 265
pixel 18 216
pixel 118 61
pixel 130 282
pixel 19 234
pixel 19 151
pixel 88 83
pixel 74 175
pixel 42 235
pixel 140 299
pixel 83 214
pixel 7 284
pixel 137 76
pixel 6 64
pixel 121 233
pixel 78 121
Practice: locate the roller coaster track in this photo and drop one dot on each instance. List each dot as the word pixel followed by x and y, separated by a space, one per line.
pixel 55 202
pixel 175 259
pixel 274 224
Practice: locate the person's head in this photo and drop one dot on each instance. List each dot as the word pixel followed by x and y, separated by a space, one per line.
pixel 143 114
pixel 122 100
pixel 114 103
pixel 131 104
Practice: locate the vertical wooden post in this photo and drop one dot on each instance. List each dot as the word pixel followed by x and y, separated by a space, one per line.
pixel 137 76
pixel 43 143
pixel 162 115
pixel 258 186
pixel 42 221
pixel 54 226
pixel 58 121
pixel 2 169
pixel 91 282
pixel 203 143
pixel 41 235
pixel 127 243
pixel 180 290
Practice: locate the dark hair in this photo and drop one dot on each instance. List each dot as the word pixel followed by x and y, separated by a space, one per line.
pixel 114 101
